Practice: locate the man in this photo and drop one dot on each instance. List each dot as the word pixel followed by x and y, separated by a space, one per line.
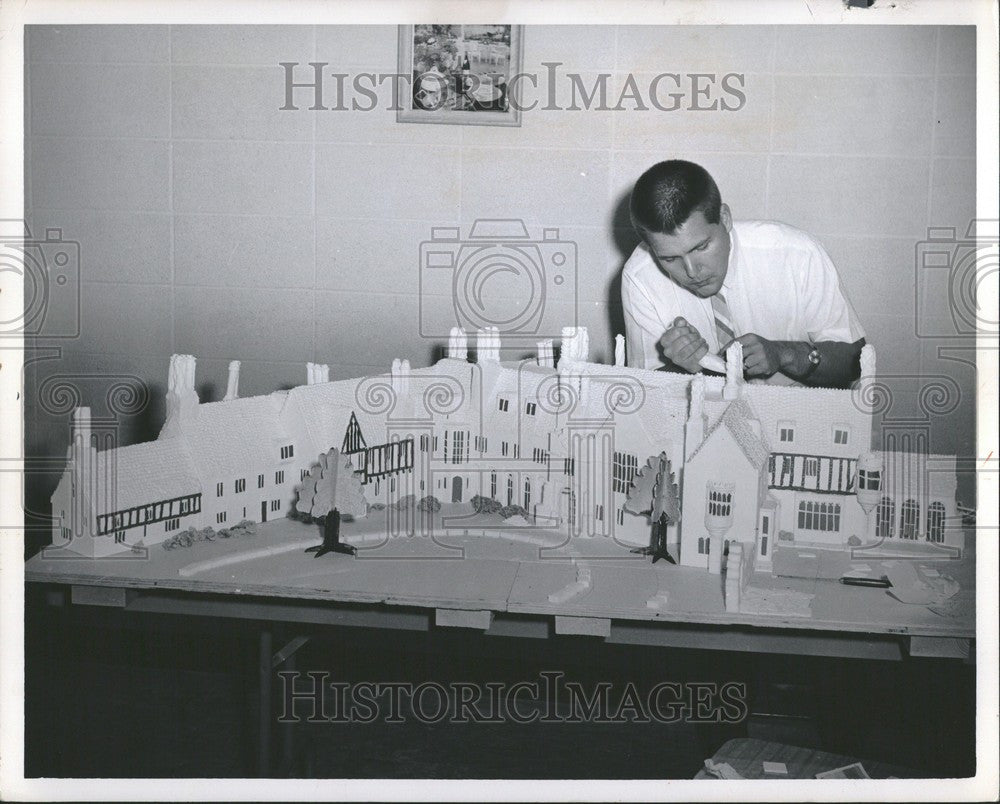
pixel 698 281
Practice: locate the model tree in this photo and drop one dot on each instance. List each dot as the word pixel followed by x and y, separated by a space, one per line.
pixel 332 487
pixel 654 492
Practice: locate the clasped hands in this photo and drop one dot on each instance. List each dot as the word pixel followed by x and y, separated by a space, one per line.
pixel 683 346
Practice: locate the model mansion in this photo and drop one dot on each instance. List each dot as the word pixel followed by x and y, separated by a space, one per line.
pixel 754 463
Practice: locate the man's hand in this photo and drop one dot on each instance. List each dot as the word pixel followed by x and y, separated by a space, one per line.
pixel 761 357
pixel 683 346
pixel 839 362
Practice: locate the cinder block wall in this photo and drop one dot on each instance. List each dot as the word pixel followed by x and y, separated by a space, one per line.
pixel 213 223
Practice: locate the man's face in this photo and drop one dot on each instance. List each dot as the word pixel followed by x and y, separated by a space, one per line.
pixel 696 255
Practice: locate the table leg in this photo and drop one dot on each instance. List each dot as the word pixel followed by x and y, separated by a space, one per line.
pixel 268 661
pixel 264 652
pixel 288 732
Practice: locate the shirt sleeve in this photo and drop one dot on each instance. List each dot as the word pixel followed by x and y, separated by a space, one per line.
pixel 643 328
pixel 826 312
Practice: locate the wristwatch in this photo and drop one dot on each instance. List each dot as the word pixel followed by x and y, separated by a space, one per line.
pixel 815 358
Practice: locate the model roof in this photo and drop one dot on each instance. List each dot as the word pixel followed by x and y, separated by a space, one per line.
pixel 738 419
pixel 145 473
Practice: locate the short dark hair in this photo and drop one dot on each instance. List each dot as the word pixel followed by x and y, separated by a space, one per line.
pixel 670 192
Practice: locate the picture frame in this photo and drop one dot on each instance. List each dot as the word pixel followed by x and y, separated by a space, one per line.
pixel 458 74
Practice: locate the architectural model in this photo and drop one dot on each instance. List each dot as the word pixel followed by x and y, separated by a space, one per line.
pixel 768 477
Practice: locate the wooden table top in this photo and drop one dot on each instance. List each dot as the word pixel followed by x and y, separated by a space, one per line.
pixel 483 571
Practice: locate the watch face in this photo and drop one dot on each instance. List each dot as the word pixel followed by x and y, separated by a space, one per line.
pixel 814 357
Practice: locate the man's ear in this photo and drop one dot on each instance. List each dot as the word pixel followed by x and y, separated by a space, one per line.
pixel 726 217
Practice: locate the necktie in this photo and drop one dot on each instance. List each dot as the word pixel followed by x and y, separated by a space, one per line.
pixel 723 320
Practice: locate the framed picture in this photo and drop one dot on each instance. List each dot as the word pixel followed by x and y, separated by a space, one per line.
pixel 458 74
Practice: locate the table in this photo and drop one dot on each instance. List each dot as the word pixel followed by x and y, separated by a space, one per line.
pixel 474 579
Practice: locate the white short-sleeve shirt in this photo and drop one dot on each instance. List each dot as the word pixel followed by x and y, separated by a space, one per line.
pixel 781 285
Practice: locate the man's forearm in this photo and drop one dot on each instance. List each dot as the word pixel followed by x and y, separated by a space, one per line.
pixel 839 362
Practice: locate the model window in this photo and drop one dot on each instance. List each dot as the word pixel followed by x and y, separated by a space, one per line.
pixel 623 471
pixel 885 518
pixel 909 525
pixel 935 522
pixel 869 479
pixel 218 489
pixel 811 467
pixel 819 516
pixel 457 446
pixel 530 408
pixel 720 503
pixel 839 435
pixel 786 432
pixel 503 404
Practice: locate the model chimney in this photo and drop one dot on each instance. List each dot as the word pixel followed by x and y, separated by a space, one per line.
pixel 233 383
pixel 868 362
pixel 317 373
pixel 575 345
pixel 867 392
pixel 694 427
pixel 458 344
pixel 734 371
pixel 395 372
pixel 619 350
pixel 182 399
pixel 488 345
pixel 83 456
pixel 404 377
pixel 546 354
